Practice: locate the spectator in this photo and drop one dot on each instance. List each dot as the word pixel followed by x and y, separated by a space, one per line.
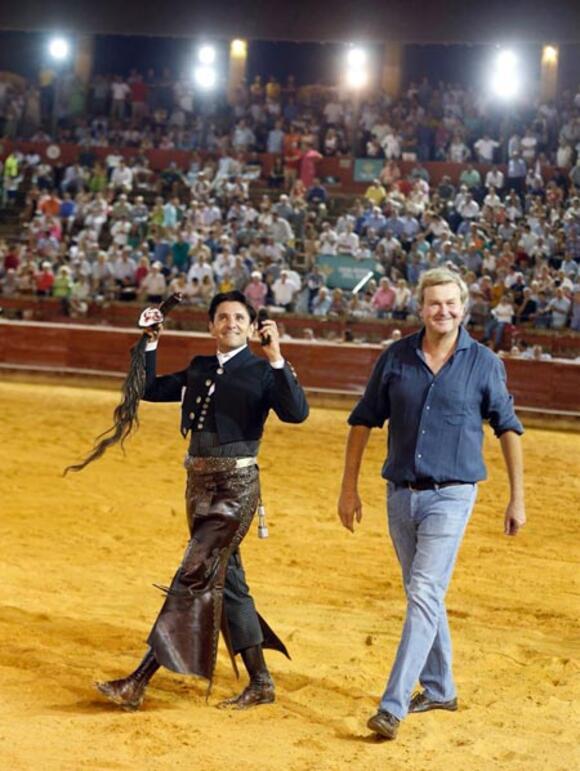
pixel 256 290
pixel 383 299
pixel 284 291
pixel 321 304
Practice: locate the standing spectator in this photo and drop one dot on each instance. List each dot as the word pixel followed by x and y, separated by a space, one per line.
pixel 516 174
pixel 559 306
pixel 284 291
pixel 308 164
pixel 485 148
pixel 502 316
pixel 119 92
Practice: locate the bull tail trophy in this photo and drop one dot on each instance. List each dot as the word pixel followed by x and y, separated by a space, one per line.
pixel 125 416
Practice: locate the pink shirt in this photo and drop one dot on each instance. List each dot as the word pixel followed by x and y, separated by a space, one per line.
pixel 384 299
pixel 256 293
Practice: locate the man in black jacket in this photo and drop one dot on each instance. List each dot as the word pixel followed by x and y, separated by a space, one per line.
pixel 225 402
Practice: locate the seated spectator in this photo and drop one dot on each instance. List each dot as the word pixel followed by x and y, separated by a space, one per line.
pixel 206 290
pixel 359 307
pixel 400 307
pixel 376 193
pixel 338 303
pixel 322 302
pixel 62 288
pixel 384 299
pixel 121 178
pixel 395 335
pixel 256 290
pixel 348 241
pixel 124 271
pixel 316 194
pixel 80 296
pixel 44 280
pixel 154 285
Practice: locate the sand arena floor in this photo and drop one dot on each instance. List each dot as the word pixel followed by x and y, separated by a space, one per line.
pixel 80 555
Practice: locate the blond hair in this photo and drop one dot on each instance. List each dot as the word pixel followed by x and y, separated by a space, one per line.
pixel 438 276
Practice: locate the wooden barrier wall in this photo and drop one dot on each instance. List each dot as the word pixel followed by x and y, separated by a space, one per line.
pixel 186 317
pixel 342 367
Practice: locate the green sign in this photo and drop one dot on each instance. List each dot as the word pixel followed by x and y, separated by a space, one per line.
pixel 367 169
pixel 343 271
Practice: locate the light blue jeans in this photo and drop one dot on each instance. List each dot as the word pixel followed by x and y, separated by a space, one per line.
pixel 426 528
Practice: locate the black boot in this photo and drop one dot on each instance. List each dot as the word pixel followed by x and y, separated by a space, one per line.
pixel 128 692
pixel 260 689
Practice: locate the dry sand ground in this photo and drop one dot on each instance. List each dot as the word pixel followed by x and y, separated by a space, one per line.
pixel 79 557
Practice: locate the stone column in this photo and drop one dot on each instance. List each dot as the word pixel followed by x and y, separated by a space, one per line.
pixel 237 70
pixel 84 57
pixel 392 71
pixel 549 72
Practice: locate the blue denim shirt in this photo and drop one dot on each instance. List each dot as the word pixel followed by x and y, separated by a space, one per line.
pixel 435 421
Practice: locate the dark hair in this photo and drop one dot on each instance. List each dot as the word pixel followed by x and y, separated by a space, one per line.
pixel 231 297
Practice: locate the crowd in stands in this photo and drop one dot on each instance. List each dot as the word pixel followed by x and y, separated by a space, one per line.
pixel 118 230
pixel 429 122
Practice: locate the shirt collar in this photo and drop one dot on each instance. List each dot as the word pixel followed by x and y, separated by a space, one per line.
pixel 224 357
pixel 464 339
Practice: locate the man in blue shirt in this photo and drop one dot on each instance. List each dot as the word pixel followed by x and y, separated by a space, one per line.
pixel 434 388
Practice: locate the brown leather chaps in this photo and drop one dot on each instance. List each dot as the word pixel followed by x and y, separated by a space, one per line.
pixel 220 507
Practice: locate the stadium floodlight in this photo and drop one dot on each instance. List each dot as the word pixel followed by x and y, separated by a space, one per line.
pixel 356 78
pixel 356 58
pixel 206 54
pixel 505 79
pixel 205 77
pixel 59 49
pixel 356 73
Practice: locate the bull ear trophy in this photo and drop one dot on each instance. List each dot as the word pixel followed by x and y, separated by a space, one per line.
pixel 125 416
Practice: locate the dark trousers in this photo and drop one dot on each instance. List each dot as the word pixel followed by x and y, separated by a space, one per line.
pixel 243 622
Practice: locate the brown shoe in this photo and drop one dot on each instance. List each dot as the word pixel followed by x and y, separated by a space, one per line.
pixel 384 724
pixel 260 690
pixel 422 703
pixel 128 692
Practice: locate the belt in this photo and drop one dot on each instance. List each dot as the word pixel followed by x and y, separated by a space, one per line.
pixel 210 465
pixel 428 484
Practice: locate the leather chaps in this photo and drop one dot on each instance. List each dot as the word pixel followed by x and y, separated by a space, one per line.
pixel 220 507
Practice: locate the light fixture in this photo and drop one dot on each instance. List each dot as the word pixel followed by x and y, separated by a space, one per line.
pixel 549 55
pixel 238 49
pixel 206 54
pixel 505 79
pixel 59 48
pixel 356 73
pixel 205 77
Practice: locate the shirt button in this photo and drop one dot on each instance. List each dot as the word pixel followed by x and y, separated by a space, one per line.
pixel 419 455
pixel 198 400
pixel 220 371
pixel 428 407
pixel 422 432
pixel 208 383
pixel 191 415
